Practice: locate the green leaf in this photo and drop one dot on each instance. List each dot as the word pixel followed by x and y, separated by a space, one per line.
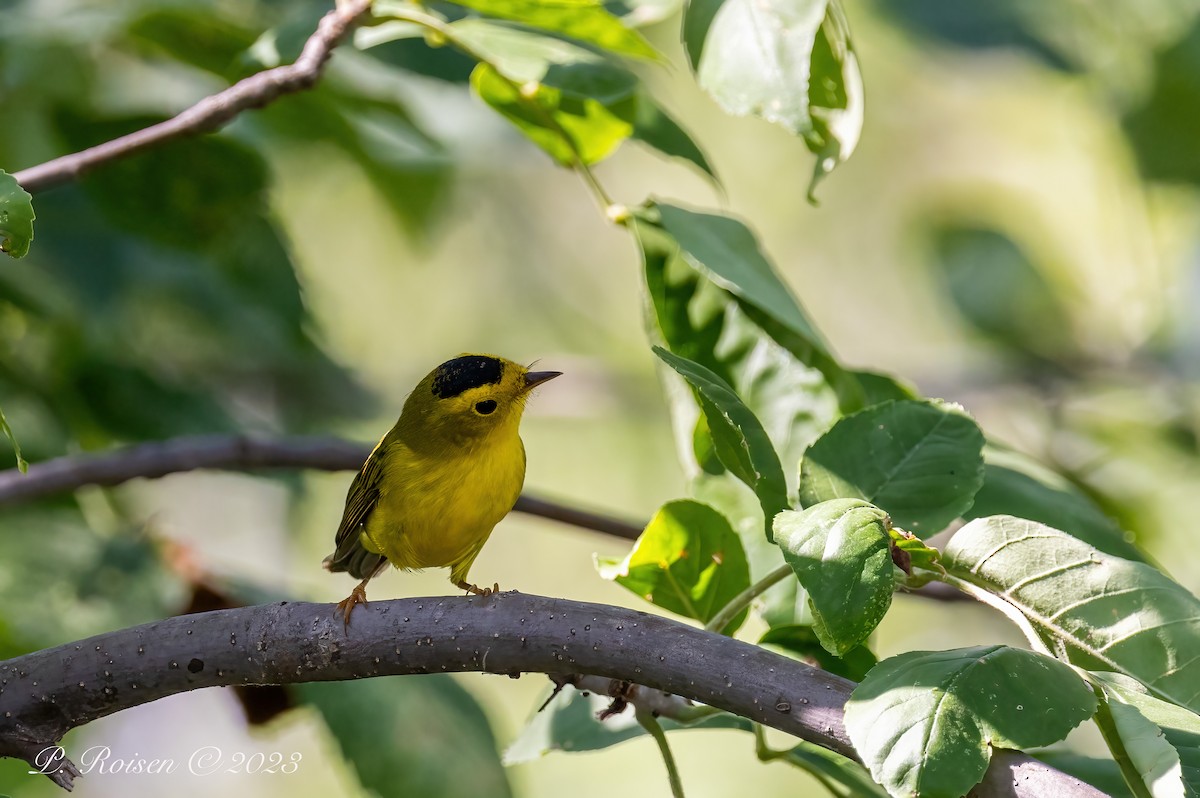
pixel 1162 740
pixel 571 126
pixel 695 318
pixel 412 735
pixel 802 642
pixel 789 62
pixel 570 723
pixel 16 217
pixel 12 438
pixel 519 55
pixel 725 252
pixel 655 128
pixel 583 20
pixel 741 443
pixel 1127 615
pixel 1014 484
pixel 922 462
pixel 688 560
pixel 915 553
pixel 840 775
pixel 925 722
pixel 841 554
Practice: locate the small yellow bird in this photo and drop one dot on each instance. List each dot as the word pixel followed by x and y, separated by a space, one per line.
pixel 435 486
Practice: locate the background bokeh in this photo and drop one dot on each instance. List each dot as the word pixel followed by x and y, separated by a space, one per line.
pixel 1016 232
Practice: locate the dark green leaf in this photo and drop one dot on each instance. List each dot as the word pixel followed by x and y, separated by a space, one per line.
pixel 688 560
pixel 16 217
pixel 840 552
pixel 583 20
pixel 741 443
pixel 787 62
pixel 802 641
pixel 1014 484
pixel 569 723
pixel 1124 614
pixel 925 722
pixel 922 462
pixel 697 319
pixel 412 735
pixel 655 128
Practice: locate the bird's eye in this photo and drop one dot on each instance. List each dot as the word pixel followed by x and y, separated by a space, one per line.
pixel 485 407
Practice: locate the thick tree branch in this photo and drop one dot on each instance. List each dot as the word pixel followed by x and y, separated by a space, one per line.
pixel 45 694
pixel 240 453
pixel 212 112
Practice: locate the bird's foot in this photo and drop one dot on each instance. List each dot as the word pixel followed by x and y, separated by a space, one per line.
pixel 478 591
pixel 346 606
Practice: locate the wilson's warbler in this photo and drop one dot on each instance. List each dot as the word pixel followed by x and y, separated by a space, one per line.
pixel 438 482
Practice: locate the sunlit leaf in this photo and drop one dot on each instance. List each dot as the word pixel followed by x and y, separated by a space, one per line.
pixel 688 560
pixel 787 61
pixel 925 722
pixel 1127 615
pixel 840 552
pixel 583 20
pixel 922 462
pixel 16 217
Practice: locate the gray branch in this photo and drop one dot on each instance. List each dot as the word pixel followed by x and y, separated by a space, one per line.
pixel 45 694
pixel 214 112
pixel 241 453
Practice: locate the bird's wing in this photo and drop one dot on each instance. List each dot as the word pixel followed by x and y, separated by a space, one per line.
pixel 349 553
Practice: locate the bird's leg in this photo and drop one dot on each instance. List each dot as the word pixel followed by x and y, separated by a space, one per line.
pixel 463 584
pixel 357 596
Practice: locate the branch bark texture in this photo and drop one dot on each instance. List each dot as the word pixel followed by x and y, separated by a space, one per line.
pixel 240 453
pixel 45 694
pixel 213 112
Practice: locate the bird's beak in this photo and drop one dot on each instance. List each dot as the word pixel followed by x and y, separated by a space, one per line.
pixel 535 378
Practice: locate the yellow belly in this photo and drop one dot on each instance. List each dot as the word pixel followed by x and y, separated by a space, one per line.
pixel 439 512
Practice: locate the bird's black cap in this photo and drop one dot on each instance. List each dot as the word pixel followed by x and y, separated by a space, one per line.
pixel 463 373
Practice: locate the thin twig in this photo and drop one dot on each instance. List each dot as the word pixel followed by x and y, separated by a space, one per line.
pixel 50 692
pixel 241 453
pixel 742 600
pixel 650 723
pixel 213 112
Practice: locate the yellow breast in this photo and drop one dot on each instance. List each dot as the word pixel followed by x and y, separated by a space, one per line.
pixel 439 511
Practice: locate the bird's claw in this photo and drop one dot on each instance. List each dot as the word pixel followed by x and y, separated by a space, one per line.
pixel 347 605
pixel 474 590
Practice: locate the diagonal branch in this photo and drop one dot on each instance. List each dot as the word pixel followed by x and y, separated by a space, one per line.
pixel 45 694
pixel 241 453
pixel 214 112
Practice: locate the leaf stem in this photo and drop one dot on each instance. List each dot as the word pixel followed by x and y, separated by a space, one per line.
pixel 743 599
pixel 650 723
pixel 1012 613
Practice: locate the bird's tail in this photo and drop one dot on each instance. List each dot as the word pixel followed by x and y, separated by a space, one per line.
pixel 355 560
